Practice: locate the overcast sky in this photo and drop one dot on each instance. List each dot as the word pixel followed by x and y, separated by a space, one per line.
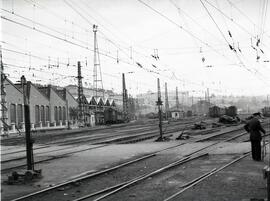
pixel 222 45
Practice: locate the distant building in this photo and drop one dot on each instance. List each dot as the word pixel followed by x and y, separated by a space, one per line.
pixel 71 104
pixel 51 107
pixel 58 105
pixel 177 114
pixel 14 99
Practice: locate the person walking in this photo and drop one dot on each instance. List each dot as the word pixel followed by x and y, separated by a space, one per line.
pixel 254 128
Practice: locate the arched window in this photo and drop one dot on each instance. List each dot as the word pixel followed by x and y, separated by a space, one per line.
pixel 64 114
pixel 60 113
pixel 47 113
pixel 42 114
pixel 55 114
pixel 37 114
pixel 12 113
pixel 20 113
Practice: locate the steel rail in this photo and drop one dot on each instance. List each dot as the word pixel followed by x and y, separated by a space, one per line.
pixel 84 177
pixel 107 141
pixel 123 185
pixel 72 141
pixel 205 177
pixel 104 171
pixel 171 165
pixel 132 182
pixel 96 173
pixel 72 152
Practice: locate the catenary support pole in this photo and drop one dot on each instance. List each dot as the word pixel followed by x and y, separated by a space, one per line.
pixel 28 138
pixel 159 104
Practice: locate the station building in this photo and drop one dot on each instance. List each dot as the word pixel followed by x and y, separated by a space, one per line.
pixel 57 105
pixel 14 104
pixel 50 108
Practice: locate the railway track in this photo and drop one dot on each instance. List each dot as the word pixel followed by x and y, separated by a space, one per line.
pixel 92 140
pixel 81 136
pixel 70 187
pixel 58 136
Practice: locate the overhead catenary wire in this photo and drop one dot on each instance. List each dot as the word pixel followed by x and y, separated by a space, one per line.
pixel 191 34
pixel 145 65
pixel 181 27
pixel 241 62
pixel 116 58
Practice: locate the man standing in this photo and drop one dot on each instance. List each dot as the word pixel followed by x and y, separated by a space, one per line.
pixel 254 127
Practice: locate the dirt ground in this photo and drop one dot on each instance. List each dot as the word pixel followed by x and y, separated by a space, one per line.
pixel 241 181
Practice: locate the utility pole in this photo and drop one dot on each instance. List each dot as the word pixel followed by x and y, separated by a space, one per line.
pixel 3 122
pixel 192 104
pixel 177 100
pixel 80 95
pixel 166 101
pixel 208 96
pixel 159 104
pixel 96 66
pixel 125 99
pixel 28 137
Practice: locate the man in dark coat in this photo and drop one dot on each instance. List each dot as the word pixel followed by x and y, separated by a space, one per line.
pixel 254 127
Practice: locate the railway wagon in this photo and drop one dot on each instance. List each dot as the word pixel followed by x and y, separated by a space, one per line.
pixel 113 116
pixel 266 111
pixel 119 117
pixel 231 111
pixel 216 111
pixel 189 113
pixel 110 116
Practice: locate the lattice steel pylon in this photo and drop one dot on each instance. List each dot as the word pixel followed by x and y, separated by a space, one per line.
pixel 80 96
pixel 166 101
pixel 177 100
pixel 125 99
pixel 3 112
pixel 159 104
pixel 97 67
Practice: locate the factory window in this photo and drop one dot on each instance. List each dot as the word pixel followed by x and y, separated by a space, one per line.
pixel 42 114
pixel 60 113
pixel 64 114
pixel 20 113
pixel 12 113
pixel 55 114
pixel 37 114
pixel 47 113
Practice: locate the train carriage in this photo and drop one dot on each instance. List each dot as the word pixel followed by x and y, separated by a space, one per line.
pixel 266 111
pixel 113 116
pixel 231 111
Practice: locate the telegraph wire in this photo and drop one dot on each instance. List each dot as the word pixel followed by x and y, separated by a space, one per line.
pixel 59 38
pixel 78 12
pixel 241 62
pixel 42 25
pixel 181 27
pixel 88 49
pixel 56 15
pixel 82 16
pixel 215 23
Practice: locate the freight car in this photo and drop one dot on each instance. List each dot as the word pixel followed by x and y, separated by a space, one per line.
pixel 189 113
pixel 231 111
pixel 266 111
pixel 113 116
pixel 216 111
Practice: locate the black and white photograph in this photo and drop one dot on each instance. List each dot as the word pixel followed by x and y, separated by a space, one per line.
pixel 135 100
